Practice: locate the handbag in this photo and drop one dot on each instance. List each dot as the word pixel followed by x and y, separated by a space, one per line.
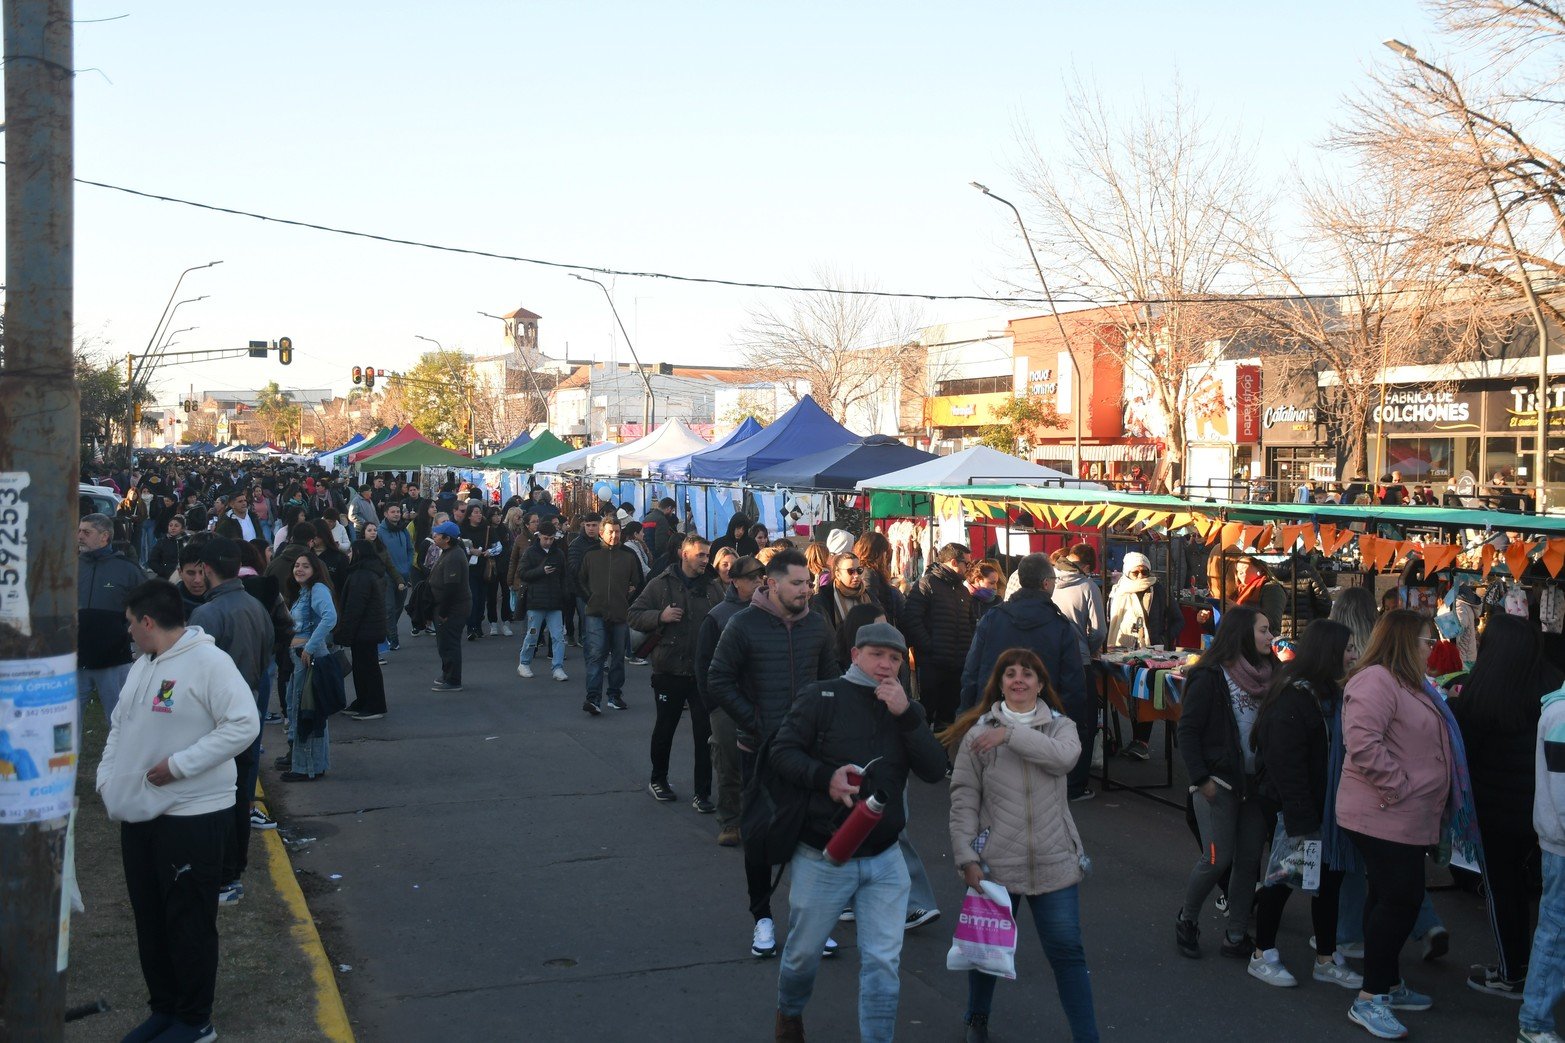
pixel 344 660
pixel 1295 861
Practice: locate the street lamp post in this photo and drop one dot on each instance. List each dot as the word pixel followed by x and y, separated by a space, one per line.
pixel 648 413
pixel 472 412
pixel 1409 54
pixel 1064 337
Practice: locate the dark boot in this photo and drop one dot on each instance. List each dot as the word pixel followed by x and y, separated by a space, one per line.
pixel 790 1028
pixel 977 1029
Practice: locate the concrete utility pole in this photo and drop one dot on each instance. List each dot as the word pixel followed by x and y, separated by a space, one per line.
pixel 40 435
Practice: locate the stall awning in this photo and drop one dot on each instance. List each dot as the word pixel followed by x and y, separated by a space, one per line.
pixel 1133 452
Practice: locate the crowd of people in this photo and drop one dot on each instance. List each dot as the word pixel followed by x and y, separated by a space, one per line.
pixel 816 682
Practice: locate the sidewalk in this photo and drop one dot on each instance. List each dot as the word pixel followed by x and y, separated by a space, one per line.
pixel 270 972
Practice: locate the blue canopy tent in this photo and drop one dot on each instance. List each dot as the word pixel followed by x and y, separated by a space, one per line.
pixel 517 442
pixel 804 429
pixel 841 467
pixel 679 466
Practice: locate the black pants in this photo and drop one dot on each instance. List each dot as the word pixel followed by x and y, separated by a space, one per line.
pixel 448 642
pixel 940 690
pixel 1510 861
pixel 494 603
pixel 236 853
pixel 475 590
pixel 673 693
pixel 757 874
pixel 173 869
pixel 1396 889
pixel 369 686
pixel 1269 903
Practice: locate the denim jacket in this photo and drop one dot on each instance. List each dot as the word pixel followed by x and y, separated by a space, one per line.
pixel 314 616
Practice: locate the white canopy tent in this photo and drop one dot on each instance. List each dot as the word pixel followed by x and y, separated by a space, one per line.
pixel 980 464
pixel 577 461
pixel 673 438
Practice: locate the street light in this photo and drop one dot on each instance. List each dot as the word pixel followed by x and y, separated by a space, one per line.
pixel 647 413
pixel 472 412
pixel 1409 54
pixel 1064 337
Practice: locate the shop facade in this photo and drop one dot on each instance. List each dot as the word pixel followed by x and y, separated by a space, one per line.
pixel 1294 443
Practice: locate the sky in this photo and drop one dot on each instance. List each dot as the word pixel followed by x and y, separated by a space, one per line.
pixel 754 142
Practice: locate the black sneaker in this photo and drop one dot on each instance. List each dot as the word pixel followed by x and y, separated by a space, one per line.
pixel 660 790
pixel 616 703
pixel 1187 935
pixel 592 708
pixel 1487 979
pixel 919 917
pixel 445 686
pixel 1240 949
pixel 151 1029
pixel 284 762
pixel 977 1029
pixel 703 805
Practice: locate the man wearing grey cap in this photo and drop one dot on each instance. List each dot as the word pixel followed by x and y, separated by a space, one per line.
pixel 855 735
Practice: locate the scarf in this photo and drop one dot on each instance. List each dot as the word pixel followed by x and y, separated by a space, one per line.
pixel 854 675
pixel 1021 719
pixel 1128 613
pixel 1460 821
pixel 1337 849
pixel 1252 680
pixel 1249 590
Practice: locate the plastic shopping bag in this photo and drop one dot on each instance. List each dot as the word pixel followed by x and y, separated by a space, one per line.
pixel 1295 861
pixel 985 938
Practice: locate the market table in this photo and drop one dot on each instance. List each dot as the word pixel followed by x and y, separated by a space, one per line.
pixel 1140 685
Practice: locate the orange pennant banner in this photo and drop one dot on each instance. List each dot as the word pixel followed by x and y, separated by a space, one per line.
pixel 1369 552
pixel 1230 534
pixel 1288 535
pixel 1439 556
pixel 1516 558
pixel 1485 561
pixel 1554 556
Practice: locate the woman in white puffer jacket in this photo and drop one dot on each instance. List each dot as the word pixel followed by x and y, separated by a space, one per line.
pixel 1011 824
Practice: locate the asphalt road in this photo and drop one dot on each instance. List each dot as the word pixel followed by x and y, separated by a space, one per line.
pixel 488 865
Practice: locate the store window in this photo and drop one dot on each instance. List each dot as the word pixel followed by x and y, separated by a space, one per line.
pixel 1515 460
pixel 1420 459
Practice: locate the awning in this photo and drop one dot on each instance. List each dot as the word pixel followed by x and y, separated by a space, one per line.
pixel 1123 452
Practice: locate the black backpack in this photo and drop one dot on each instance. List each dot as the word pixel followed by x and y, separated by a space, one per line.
pixel 775 809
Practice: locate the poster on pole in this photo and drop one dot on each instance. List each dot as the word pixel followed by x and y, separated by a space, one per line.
pixel 37 738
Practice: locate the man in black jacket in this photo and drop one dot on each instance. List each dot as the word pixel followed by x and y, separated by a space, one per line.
pixel 104 579
pixel 545 572
pixel 448 586
pixel 674 605
pixel 744 579
pixel 767 653
pixel 938 621
pixel 862 727
pixel 586 539
pixel 609 579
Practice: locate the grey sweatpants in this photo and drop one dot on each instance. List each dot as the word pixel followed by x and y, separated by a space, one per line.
pixel 1233 832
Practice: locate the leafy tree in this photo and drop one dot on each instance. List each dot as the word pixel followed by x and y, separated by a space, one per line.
pixel 762 407
pixel 1025 421
pixel 436 395
pixel 276 412
pixel 104 402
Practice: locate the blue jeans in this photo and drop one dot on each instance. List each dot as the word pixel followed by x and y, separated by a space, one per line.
pixel 554 619
pixel 605 648
pixel 1350 911
pixel 107 682
pixel 921 893
pixel 1057 915
pixel 877 887
pixel 1546 970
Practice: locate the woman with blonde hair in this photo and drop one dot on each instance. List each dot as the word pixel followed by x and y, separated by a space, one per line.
pixel 1011 824
pixel 874 551
pixel 818 558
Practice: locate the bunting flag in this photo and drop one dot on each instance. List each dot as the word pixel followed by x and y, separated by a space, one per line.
pixel 1554 556
pixel 1516 558
pixel 1229 535
pixel 1399 550
pixel 1485 561
pixel 1113 514
pixel 1288 536
pixel 1369 551
pixel 1264 540
pixel 1181 519
pixel 1247 535
pixel 1214 533
pixel 1439 556
pixel 1328 535
pixel 1342 538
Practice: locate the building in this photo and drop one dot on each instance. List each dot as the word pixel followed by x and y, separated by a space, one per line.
pixel 607 402
pixel 514 385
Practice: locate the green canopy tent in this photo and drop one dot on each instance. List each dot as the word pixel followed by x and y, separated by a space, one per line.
pixel 413 455
pixel 545 447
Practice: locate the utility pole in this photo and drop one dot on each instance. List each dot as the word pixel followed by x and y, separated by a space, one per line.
pixel 40 438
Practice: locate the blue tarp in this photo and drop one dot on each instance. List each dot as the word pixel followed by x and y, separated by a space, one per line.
pixel 355 440
pixel 842 466
pixel 802 430
pixel 517 442
pixel 679 466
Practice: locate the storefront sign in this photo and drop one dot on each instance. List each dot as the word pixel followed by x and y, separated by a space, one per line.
pixel 1247 403
pixel 1424 410
pixel 1042 382
pixel 967 410
pixel 1515 408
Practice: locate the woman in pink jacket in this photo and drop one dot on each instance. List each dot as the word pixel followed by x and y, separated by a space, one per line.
pixel 1403 785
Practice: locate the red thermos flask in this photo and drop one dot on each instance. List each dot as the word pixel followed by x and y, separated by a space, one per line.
pixel 844 843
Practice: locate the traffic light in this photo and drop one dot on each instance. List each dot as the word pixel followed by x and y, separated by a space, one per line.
pixel 358 375
pixel 285 350
pixel 369 376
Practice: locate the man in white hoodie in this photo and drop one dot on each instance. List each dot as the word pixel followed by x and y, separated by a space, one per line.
pixel 167 775
pixel 1546 970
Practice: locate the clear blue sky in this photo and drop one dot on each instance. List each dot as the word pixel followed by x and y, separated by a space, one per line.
pixel 739 140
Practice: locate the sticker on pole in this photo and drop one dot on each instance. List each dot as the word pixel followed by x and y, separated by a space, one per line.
pixel 37 738
pixel 13 552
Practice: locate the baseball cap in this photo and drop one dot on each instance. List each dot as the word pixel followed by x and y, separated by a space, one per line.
pixel 447 528
pixel 746 568
pixel 881 635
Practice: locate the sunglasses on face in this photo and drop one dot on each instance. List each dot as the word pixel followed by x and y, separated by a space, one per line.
pixel 852 572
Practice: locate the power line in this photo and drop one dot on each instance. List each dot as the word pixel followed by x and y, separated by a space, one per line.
pixel 1075 298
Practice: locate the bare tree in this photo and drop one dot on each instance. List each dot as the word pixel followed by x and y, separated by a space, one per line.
pixel 843 345
pixel 1152 206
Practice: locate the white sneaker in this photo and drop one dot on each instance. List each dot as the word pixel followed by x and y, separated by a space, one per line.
pixel 560 674
pixel 763 943
pixel 1352 950
pixel 494 630
pixel 1268 968
pixel 505 628
pixel 1337 972
pixel 523 670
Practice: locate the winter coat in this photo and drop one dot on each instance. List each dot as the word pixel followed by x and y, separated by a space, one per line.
pixel 314 616
pixel 938 618
pixel 675 652
pixel 1028 620
pixel 1499 762
pixel 1396 779
pixel 1306 595
pixel 268 592
pixel 361 512
pixel 362 617
pixel 762 662
pixel 1016 792
pixel 1208 732
pixel 1080 601
pixel 1269 601
pixel 825 602
pixel 836 722
pixel 610 579
pixel 398 543
pixel 546 591
pixel 448 583
pixel 1163 620
pixel 661 529
pixel 887 596
pixel 229 527
pixel 104 579
pixel 163 562
pixel 1292 744
pixel 239 625
pixel 706 640
pixel 575 551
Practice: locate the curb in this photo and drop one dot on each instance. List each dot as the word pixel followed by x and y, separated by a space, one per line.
pixel 331 1017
